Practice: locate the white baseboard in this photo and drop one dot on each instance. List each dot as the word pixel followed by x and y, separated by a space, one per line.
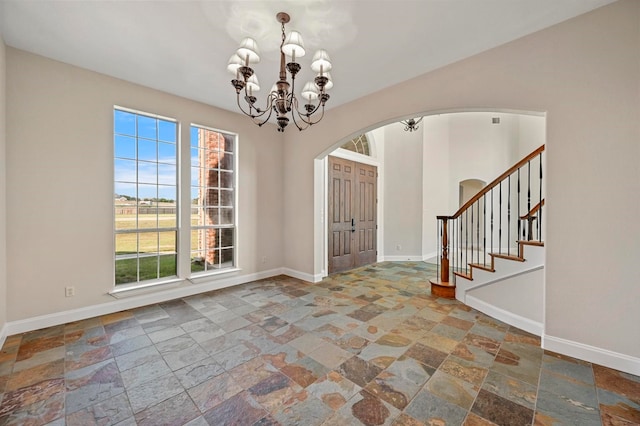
pixel 403 258
pixel 185 290
pixel 526 324
pixel 592 354
pixel 302 275
pixel 432 257
pixel 3 335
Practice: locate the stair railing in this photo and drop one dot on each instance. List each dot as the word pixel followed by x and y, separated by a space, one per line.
pixel 492 221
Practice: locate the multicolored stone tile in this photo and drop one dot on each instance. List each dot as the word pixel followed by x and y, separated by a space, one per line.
pixel 330 355
pixel 306 410
pixel 463 369
pixel 275 390
pixel 512 389
pixel 432 410
pixel 304 371
pixel 109 412
pixel 368 346
pixel 39 403
pixel 555 409
pixel 364 408
pixel 452 389
pixel 34 375
pixel 214 391
pixel 240 409
pixel 177 410
pixel 399 383
pixel 333 389
pixel 92 384
pixel 618 409
pixel 500 410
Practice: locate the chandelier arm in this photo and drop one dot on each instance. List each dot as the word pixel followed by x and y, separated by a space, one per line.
pixel 296 112
pixel 308 120
pixel 268 109
pixel 257 114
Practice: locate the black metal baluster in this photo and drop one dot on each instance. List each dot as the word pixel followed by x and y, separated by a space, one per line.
pixel 460 247
pixel 509 215
pixel 500 219
pixel 540 209
pixel 484 228
pixel 478 232
pixel 519 214
pixel 491 220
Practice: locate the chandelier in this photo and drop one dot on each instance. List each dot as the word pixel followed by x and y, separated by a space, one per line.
pixel 281 100
pixel 411 124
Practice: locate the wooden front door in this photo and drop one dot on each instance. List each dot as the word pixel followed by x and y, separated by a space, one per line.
pixel 352 214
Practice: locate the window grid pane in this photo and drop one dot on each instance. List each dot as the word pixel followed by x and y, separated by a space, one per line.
pixel 213 201
pixel 145 202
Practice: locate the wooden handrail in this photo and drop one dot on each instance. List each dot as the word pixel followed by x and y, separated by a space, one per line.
pixel 495 183
pixel 533 211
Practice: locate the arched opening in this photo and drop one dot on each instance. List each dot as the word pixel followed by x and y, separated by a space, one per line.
pixel 420 174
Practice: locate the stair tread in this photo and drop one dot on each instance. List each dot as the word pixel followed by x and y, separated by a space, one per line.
pixel 483 267
pixel 467 276
pixel 532 243
pixel 507 256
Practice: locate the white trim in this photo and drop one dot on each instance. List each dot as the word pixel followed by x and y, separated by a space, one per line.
pixel 321 209
pixel 510 318
pixel 345 154
pixel 503 278
pixel 403 259
pixel 187 289
pixel 429 256
pixel 302 275
pixel 615 360
pixel 3 335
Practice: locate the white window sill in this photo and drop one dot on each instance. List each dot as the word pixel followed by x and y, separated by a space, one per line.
pixel 131 290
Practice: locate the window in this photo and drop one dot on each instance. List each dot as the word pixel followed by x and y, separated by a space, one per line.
pixel 213 212
pixel 145 199
pixel 359 144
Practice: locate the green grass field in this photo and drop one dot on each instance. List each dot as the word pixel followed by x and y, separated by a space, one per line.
pixel 149 242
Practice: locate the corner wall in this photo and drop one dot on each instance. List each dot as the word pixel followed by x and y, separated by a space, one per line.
pixel 3 193
pixel 584 74
pixel 59 153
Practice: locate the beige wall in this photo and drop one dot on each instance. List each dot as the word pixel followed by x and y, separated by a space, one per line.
pixel 3 190
pixel 402 193
pixel 584 74
pixel 60 181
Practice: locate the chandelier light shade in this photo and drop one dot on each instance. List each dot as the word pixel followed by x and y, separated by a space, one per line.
pixel 282 99
pixel 411 124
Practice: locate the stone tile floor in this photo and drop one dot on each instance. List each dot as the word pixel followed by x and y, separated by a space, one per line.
pixel 370 346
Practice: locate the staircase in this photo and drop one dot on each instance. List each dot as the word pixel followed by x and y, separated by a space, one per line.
pixel 494 245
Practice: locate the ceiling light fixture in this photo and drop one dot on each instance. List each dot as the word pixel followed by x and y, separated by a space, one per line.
pixel 282 99
pixel 411 124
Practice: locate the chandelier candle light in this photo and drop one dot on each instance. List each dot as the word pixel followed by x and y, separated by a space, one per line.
pixel 282 99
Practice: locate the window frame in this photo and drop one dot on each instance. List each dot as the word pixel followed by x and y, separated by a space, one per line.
pixel 196 275
pixel 137 230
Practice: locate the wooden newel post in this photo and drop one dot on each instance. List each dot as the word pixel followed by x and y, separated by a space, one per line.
pixel 444 271
pixel 442 287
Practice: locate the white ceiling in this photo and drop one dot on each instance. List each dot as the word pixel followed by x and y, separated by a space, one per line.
pixel 182 47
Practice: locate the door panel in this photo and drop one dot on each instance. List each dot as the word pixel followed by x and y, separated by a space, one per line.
pixel 340 210
pixel 367 207
pixel 352 209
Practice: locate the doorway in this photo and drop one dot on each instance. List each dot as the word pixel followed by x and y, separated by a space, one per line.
pixel 352 213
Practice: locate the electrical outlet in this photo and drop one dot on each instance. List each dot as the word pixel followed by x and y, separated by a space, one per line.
pixel 398 247
pixel 69 291
pixel 264 259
